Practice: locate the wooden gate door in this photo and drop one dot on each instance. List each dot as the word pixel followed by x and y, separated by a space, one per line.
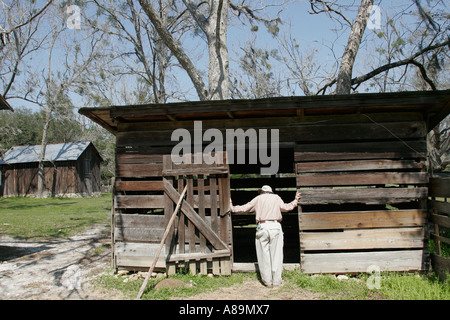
pixel 201 237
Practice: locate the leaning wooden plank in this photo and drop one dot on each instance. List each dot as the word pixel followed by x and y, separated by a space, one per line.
pixel 357 165
pixel 362 195
pixel 361 179
pixel 161 245
pixel 199 223
pixel 362 219
pixel 355 262
pixel 392 238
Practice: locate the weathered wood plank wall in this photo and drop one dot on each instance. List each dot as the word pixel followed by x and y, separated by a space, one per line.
pixel 364 203
pixel 348 167
pixel 21 180
pixel 439 209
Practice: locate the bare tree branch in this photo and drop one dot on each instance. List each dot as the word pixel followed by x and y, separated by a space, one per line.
pixel 327 9
pixel 409 60
pixel 396 64
pixel 176 49
pixel 33 16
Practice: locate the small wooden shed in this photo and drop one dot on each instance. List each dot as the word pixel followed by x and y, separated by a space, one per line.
pixel 359 160
pixel 71 169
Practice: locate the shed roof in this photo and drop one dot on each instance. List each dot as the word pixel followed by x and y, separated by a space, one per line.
pixel 435 105
pixel 70 151
pixel 4 105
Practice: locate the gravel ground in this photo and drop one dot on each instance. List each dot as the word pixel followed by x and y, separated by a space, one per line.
pixel 57 269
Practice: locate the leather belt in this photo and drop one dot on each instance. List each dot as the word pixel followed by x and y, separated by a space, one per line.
pixel 264 221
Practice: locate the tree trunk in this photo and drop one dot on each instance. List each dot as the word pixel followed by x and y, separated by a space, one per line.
pixel 218 51
pixel 344 78
pixel 175 48
pixel 214 26
pixel 41 173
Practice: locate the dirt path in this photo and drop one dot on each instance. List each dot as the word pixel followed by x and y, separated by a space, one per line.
pixel 254 290
pixel 63 269
pixel 58 269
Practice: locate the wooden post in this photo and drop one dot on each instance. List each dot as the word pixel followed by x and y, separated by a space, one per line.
pixel 169 225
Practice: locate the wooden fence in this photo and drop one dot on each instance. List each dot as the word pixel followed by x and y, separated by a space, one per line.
pixel 439 208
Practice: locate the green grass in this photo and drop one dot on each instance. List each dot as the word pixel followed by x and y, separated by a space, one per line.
pixel 393 286
pixel 414 287
pixel 332 288
pixel 31 218
pixel 196 284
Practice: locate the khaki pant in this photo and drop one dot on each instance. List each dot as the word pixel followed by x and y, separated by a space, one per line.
pixel 269 251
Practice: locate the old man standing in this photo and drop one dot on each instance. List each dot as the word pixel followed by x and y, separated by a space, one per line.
pixel 268 207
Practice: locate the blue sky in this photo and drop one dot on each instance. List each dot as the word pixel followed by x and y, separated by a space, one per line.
pixel 311 31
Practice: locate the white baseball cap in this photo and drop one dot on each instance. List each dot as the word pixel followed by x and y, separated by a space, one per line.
pixel 266 188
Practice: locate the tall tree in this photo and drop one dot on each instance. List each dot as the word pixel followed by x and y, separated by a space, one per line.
pixel 141 52
pixel 48 85
pixel 343 81
pixel 344 77
pixel 176 48
pixel 17 15
pixel 211 19
pixel 21 35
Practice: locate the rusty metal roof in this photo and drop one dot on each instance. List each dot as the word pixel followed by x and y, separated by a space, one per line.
pixel 53 152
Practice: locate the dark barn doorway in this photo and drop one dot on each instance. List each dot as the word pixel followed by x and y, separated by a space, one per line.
pixel 245 180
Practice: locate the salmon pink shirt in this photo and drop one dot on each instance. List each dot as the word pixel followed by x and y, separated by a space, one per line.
pixel 266 206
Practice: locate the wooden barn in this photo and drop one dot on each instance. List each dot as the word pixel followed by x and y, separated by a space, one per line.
pixel 71 170
pixel 359 160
